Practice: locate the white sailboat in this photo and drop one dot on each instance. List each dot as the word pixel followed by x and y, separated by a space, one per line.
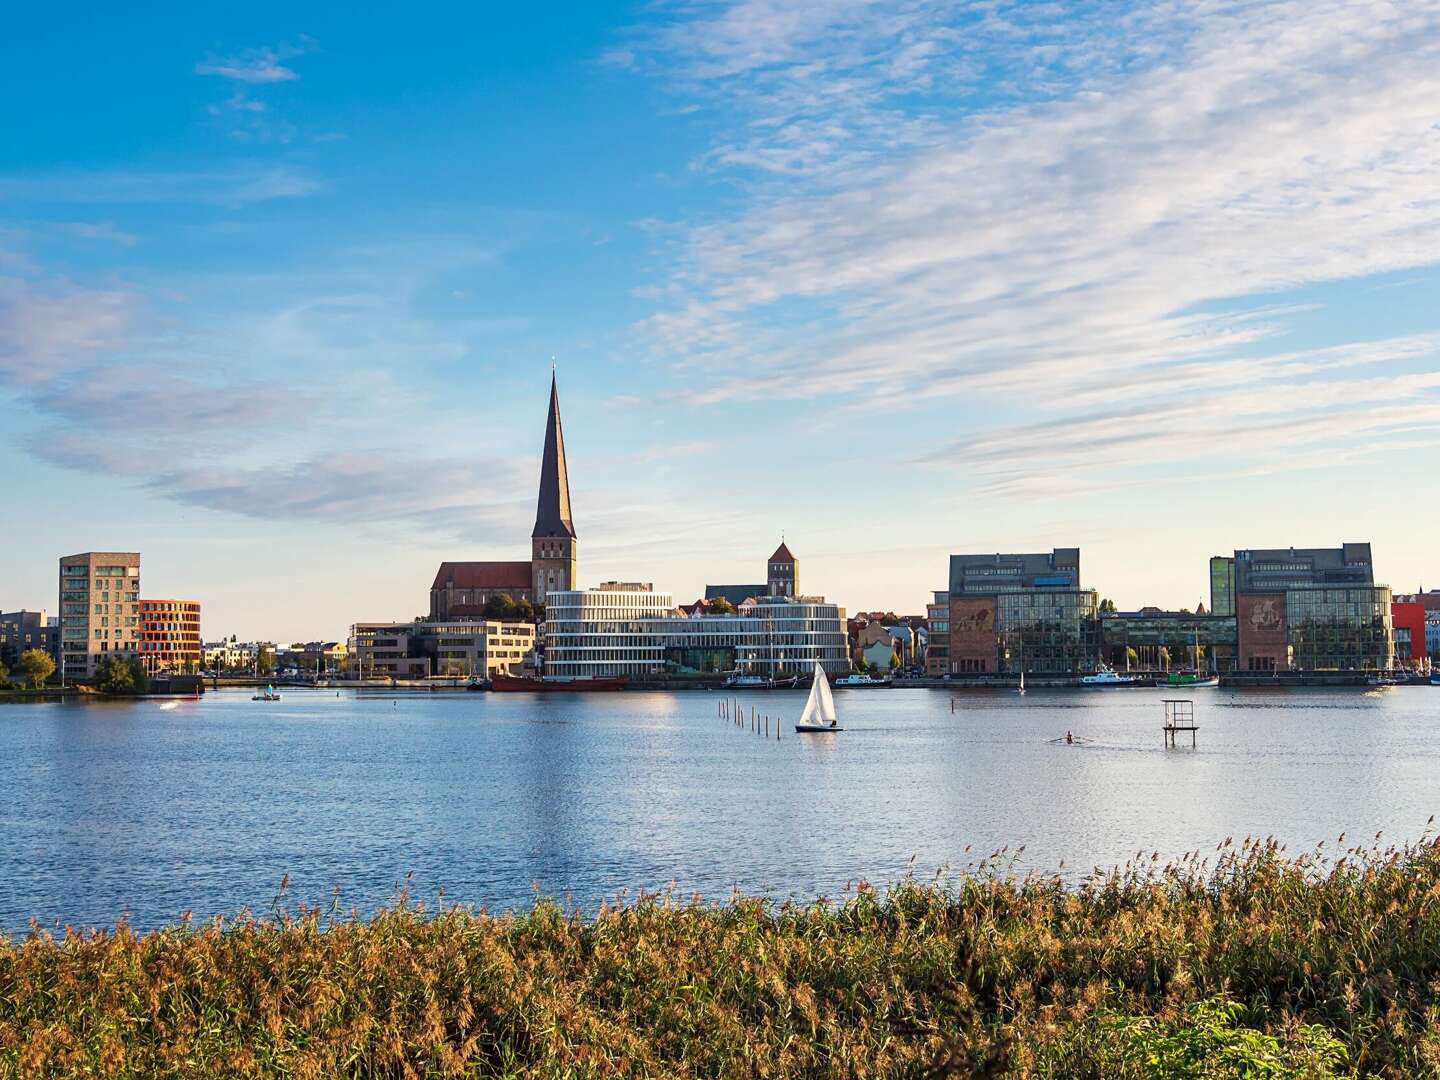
pixel 819 714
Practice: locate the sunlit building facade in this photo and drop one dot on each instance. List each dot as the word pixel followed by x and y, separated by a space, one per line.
pixel 99 610
pixel 632 631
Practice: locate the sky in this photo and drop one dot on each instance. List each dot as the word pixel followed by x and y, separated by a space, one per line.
pixel 281 287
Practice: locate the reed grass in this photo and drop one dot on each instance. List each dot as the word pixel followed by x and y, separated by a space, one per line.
pixel 1248 963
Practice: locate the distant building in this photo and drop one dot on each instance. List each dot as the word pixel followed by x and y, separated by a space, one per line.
pixel 462 589
pixel 878 647
pixel 636 632
pixel 782 578
pixel 418 650
pixel 1311 609
pixel 170 635
pixel 1021 613
pixel 1409 617
pixel 99 610
pixel 21 631
pixel 230 654
pixel 1153 639
pixel 1222 585
pixel 937 652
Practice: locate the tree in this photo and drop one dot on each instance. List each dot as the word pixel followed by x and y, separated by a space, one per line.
pixel 894 662
pixel 500 606
pixel 37 666
pixel 113 677
pixel 889 619
pixel 719 606
pixel 264 663
pixel 1164 657
pixel 4 672
pixel 860 664
pixel 1107 607
pixel 1132 657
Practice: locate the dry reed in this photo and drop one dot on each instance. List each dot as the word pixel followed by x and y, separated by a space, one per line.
pixel 1250 964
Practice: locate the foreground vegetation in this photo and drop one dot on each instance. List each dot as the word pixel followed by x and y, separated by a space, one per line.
pixel 1250 964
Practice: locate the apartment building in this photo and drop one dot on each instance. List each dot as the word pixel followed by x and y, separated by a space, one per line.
pixel 99 610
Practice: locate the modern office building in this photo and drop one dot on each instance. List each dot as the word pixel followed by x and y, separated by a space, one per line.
pixel 937 652
pixel 21 631
pixel 1311 609
pixel 462 589
pixel 1012 613
pixel 417 650
pixel 170 635
pixel 1408 616
pixel 99 610
pixel 1154 640
pixel 630 630
pixel 1222 585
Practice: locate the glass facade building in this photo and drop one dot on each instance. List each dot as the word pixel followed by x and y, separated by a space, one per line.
pixel 1222 585
pixel 1340 629
pixel 638 634
pixel 1048 632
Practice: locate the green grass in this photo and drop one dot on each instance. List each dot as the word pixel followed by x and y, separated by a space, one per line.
pixel 1252 965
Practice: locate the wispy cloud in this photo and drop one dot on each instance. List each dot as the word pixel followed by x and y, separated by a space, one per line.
pixel 1053 208
pixel 263 65
pixel 239 186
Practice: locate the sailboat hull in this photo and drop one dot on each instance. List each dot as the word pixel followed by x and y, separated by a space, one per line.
pixel 816 729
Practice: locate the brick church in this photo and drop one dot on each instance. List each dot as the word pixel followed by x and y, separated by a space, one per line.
pixel 461 589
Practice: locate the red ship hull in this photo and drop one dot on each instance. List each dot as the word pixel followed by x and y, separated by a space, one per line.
pixel 517 683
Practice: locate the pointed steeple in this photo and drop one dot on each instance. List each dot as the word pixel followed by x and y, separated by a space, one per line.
pixel 552 513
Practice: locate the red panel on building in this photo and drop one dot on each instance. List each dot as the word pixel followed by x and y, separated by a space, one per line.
pixel 1263 633
pixel 973 644
pixel 1410 615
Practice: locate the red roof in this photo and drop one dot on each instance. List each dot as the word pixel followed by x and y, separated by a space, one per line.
pixel 782 554
pixel 483 575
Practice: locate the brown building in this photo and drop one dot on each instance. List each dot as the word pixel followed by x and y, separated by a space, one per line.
pixel 784 575
pixel 170 635
pixel 461 589
pixel 99 610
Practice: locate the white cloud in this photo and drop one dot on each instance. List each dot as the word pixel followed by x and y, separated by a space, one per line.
pixel 254 65
pixel 1057 208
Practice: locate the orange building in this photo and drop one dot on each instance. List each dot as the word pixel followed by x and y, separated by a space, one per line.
pixel 170 635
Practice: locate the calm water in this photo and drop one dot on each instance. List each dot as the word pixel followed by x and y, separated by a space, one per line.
pixel 146 810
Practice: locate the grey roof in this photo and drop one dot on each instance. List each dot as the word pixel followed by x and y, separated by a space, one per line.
pixel 1262 569
pixel 552 512
pixel 979 575
pixel 736 594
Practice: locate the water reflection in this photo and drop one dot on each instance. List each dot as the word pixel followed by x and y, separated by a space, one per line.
pixel 132 808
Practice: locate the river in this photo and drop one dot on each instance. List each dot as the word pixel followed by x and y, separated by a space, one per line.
pixel 147 809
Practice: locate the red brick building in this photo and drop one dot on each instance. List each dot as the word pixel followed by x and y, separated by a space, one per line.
pixel 170 635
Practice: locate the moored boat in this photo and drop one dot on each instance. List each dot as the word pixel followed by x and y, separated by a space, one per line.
pixel 819 715
pixel 1107 677
pixel 579 684
pixel 1191 678
pixel 858 680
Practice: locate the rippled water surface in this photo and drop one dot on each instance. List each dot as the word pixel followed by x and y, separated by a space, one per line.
pixel 142 810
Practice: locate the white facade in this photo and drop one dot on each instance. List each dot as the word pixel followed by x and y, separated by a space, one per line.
pixel 638 633
pixel 422 649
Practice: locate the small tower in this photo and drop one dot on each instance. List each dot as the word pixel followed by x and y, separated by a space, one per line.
pixel 784 574
pixel 552 543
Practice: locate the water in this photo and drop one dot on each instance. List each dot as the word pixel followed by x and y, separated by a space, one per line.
pixel 149 810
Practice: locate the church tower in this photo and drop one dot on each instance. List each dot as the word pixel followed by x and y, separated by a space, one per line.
pixel 784 574
pixel 552 544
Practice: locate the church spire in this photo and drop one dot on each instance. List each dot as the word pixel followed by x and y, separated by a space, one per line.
pixel 552 513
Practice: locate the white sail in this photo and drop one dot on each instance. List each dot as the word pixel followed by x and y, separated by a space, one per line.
pixel 820 705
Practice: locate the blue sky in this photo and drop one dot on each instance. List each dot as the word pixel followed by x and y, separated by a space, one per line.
pixel 279 291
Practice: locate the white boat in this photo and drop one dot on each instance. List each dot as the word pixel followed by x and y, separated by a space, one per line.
pixel 819 714
pixel 268 695
pixel 860 680
pixel 1106 677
